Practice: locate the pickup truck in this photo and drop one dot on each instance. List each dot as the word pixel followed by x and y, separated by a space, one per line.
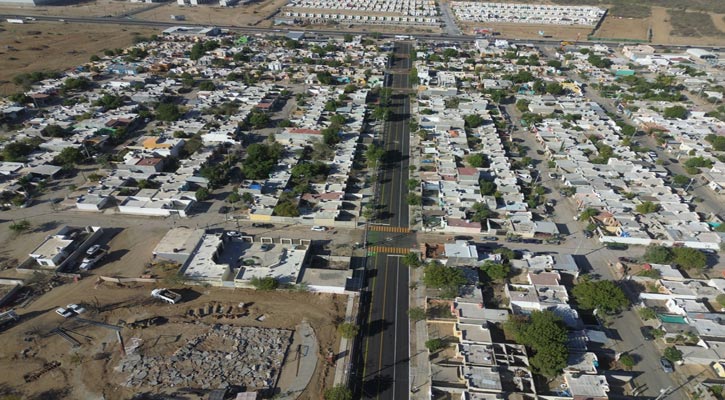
pixel 166 295
pixel 90 261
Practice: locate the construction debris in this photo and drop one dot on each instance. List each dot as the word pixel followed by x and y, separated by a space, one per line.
pixel 225 355
pixel 32 376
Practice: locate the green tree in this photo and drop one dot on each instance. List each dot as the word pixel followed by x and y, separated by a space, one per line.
pixel 438 276
pixel 233 197
pixel 258 119
pixel 434 345
pixel 647 207
pixel 627 361
pixel 673 354
pixel 414 199
pixel 605 296
pixel 675 112
pixel 202 194
pixel 646 313
pixel 261 159
pixel 478 160
pixel 56 131
pixel 374 154
pixel 587 214
pixel 720 299
pixel 522 105
pixel 348 330
pixel 554 88
pixel 20 226
pixel 331 135
pixel 496 271
pixel 680 180
pixel 488 188
pixel 167 112
pixel 68 157
pixel 545 334
pixel 207 86
pixel 689 258
pixel 658 254
pixel 413 184
pixel 412 260
pixel 473 121
pixel 481 213
pixel 339 392
pixel 417 314
pixel 264 283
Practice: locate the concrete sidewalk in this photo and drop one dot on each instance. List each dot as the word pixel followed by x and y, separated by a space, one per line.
pixel 419 362
pixel 343 362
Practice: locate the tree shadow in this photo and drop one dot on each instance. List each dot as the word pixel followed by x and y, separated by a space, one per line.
pixel 377 326
pixel 376 385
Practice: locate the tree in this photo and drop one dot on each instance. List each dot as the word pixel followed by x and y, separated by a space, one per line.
pixel 258 119
pixel 627 361
pixel 412 260
pixel 167 112
pixel 647 207
pixel 331 135
pixel 20 226
pixel 554 88
pixel 202 194
pixel 587 214
pixel 348 330
pixel 673 354
pixel 554 64
pixel 413 184
pixel 689 258
pixel 56 131
pixel 604 296
pixel 646 313
pixel 69 157
pixel 265 283
pixel 495 271
pixel 488 188
pixel 247 197
pixel 675 112
pixel 544 333
pixel 434 345
pixel 261 159
pixel 473 121
pixel 417 314
pixel 414 199
pixel 17 151
pixel 658 254
pixel 478 160
pixel 481 213
pixel 339 392
pixel 438 276
pixel 680 180
pixel 234 197
pixel 522 105
pixel 207 86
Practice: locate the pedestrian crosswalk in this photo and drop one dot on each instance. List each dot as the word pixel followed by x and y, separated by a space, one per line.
pixel 388 250
pixel 385 228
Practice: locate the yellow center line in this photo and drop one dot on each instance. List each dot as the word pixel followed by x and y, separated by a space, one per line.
pixel 370 317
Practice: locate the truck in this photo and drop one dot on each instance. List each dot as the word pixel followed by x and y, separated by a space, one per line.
pixel 15 21
pixel 166 295
pixel 91 260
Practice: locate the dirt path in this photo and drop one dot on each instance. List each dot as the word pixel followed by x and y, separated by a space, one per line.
pixel 660 25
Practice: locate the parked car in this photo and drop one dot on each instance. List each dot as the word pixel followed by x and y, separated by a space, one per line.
pixel 647 332
pixel 532 241
pixel 64 313
pixel 234 234
pixel 667 365
pixel 93 249
pixel 266 247
pixel 489 238
pixel 262 225
pixel 318 228
pixel 588 234
pixel 90 261
pixel 75 308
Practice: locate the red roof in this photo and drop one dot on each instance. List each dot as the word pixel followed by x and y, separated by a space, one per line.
pixel 149 161
pixel 467 171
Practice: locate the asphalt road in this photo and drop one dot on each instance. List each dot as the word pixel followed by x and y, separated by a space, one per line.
pixel 385 336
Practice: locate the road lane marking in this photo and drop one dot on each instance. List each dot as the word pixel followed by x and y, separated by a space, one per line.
pixel 367 327
pixel 382 325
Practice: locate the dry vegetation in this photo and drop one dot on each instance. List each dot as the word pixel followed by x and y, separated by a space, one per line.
pixel 52 46
pixel 692 24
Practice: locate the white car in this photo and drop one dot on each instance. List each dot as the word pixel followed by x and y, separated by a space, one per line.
pixel 319 228
pixel 75 308
pixel 93 249
pixel 90 261
pixel 64 313
pixel 234 234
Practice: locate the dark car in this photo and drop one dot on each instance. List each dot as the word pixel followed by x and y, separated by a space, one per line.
pixel 666 365
pixel 261 225
pixel 532 241
pixel 588 234
pixel 513 239
pixel 489 238
pixel 647 332
pixel 626 260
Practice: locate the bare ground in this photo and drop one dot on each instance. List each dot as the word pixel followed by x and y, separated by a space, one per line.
pixel 255 14
pixel 88 371
pixel 54 46
pixel 623 28
pixel 531 31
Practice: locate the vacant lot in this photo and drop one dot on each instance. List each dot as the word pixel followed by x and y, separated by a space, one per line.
pixel 623 28
pixel 255 14
pixel 531 31
pixel 693 24
pixel 88 371
pixel 54 46
pixel 97 8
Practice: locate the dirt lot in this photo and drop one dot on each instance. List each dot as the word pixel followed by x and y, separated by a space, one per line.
pixel 255 14
pixel 88 371
pixel 96 8
pixel 531 31
pixel 623 28
pixel 662 31
pixel 53 46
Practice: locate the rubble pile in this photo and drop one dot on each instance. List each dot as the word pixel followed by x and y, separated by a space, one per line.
pixel 226 355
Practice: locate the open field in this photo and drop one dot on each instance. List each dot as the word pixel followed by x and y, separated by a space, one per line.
pixel 255 14
pixel 623 28
pixel 91 370
pixel 693 24
pixel 530 31
pixel 97 8
pixel 51 46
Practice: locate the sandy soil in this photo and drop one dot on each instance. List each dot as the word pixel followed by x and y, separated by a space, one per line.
pixel 531 31
pixel 624 28
pixel 51 46
pixel 255 14
pixel 87 371
pixel 661 30
pixel 91 8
